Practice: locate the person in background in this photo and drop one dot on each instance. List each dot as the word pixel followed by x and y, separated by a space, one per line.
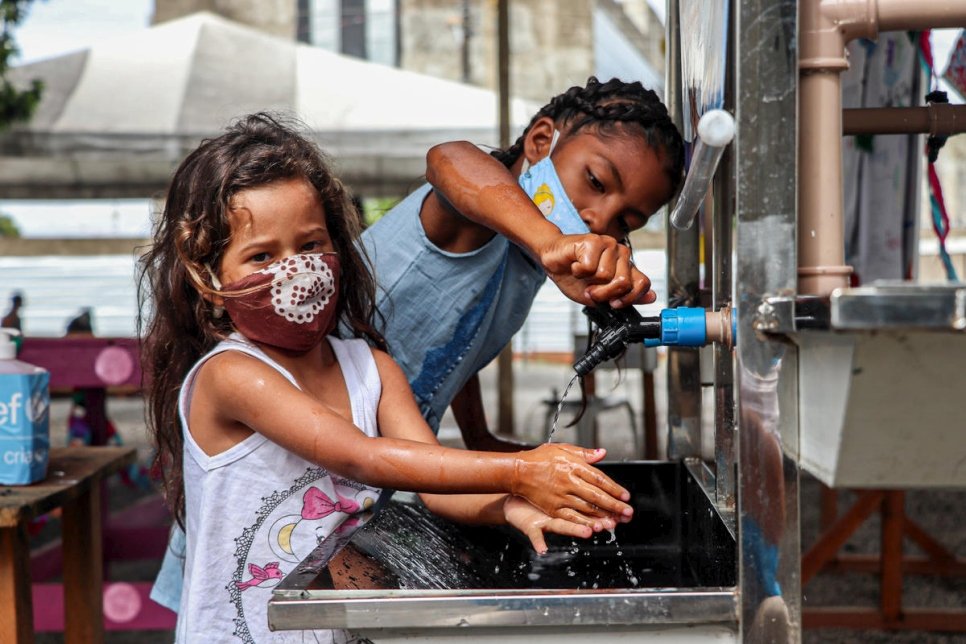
pixel 82 324
pixel 12 319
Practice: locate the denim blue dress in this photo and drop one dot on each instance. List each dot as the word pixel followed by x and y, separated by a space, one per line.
pixel 447 315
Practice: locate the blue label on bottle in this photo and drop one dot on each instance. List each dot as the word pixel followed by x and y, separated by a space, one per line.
pixel 24 427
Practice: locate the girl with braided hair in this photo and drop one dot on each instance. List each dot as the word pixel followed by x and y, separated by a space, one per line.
pixel 460 260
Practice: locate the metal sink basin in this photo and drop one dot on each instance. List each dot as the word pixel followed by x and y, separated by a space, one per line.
pixel 674 564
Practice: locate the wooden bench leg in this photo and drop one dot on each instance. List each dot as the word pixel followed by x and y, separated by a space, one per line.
pixel 16 605
pixel 83 569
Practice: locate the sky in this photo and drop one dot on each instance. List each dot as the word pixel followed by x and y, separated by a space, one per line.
pixel 54 27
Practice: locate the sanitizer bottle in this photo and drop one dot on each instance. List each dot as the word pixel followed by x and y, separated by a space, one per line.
pixel 24 416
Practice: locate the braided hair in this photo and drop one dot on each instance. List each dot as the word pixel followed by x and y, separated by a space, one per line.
pixel 607 107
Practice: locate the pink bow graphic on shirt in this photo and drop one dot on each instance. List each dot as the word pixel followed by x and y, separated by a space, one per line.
pixel 316 505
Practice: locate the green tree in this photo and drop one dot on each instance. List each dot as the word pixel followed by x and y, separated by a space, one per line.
pixel 7 227
pixel 16 104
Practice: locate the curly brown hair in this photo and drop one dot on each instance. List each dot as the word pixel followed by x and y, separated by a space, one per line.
pixel 175 321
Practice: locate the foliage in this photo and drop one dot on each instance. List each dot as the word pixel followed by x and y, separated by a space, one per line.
pixel 8 228
pixel 16 103
pixel 375 207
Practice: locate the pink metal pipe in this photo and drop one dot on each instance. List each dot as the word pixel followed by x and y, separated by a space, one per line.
pixel 896 15
pixel 718 326
pixel 866 18
pixel 933 119
pixel 821 233
pixel 826 27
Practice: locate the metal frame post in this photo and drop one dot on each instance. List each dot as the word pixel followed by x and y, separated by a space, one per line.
pixel 683 363
pixel 766 192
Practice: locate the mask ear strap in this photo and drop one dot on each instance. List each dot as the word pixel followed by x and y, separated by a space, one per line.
pixel 553 141
pixel 553 144
pixel 216 311
pixel 214 278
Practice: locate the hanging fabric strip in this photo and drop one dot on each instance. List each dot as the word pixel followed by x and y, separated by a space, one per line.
pixel 940 218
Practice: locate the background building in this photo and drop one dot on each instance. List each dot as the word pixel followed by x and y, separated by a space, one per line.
pixel 553 43
pixel 277 17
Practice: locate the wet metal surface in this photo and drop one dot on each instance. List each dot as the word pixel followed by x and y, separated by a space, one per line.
pixel 674 563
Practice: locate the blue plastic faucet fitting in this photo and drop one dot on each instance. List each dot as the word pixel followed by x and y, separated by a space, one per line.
pixel 677 327
pixel 683 326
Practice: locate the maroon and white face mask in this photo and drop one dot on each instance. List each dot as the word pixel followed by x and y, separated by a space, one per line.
pixel 292 304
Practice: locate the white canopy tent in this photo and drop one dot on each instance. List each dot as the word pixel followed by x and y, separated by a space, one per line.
pixel 117 118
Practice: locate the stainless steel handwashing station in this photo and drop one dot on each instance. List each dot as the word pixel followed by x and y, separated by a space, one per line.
pixel 818 369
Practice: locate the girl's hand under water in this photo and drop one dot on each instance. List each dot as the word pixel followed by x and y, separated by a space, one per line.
pixel 534 523
pixel 561 481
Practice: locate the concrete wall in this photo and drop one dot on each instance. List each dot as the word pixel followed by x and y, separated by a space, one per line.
pixel 641 18
pixel 551 43
pixel 10 247
pixel 277 17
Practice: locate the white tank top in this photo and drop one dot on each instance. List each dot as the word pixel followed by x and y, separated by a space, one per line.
pixel 256 510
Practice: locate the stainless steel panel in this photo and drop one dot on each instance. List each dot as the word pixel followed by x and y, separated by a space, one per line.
pixel 428 610
pixel 766 109
pixel 940 307
pixel 683 364
pixel 725 425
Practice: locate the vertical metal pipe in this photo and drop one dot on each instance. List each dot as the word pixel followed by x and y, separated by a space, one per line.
pixel 397 33
pixel 721 249
pixel 503 68
pixel 465 49
pixel 505 359
pixel 683 364
pixel 766 101
pixel 821 244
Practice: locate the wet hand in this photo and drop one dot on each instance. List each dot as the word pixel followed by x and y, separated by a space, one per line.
pixel 592 269
pixel 535 523
pixel 561 480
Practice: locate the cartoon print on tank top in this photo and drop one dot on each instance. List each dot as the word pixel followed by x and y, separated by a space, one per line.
pixel 289 525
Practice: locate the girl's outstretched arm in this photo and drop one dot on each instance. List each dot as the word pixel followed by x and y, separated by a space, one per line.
pixel 477 194
pixel 244 394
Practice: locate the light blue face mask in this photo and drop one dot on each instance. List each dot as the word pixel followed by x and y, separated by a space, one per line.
pixel 542 185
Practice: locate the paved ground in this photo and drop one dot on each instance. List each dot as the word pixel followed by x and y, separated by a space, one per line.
pixel 939 512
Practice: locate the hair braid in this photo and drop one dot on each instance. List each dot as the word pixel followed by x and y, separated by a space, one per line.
pixel 604 105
